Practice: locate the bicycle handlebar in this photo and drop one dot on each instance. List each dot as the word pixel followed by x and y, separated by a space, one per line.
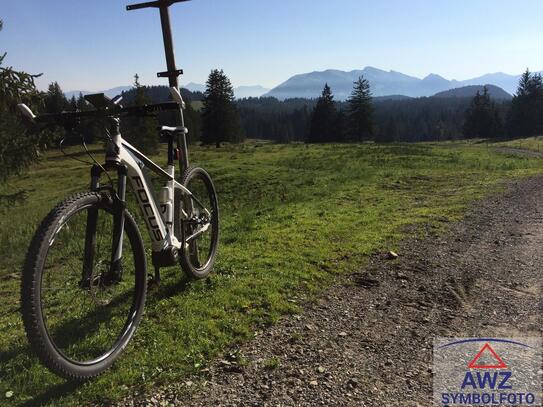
pixel 110 112
pixel 157 3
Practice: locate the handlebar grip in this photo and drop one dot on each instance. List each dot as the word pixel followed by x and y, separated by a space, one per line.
pixel 25 110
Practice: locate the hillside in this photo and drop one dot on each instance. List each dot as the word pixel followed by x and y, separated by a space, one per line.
pixel 495 92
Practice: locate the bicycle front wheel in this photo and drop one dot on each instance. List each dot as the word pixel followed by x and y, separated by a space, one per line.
pixel 79 312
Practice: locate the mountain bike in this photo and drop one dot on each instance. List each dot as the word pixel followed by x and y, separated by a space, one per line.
pixel 85 276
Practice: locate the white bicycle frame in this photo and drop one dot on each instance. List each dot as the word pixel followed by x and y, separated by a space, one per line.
pixel 159 216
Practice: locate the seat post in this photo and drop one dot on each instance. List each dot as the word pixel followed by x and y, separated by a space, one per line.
pixel 168 45
pixel 172 73
pixel 173 81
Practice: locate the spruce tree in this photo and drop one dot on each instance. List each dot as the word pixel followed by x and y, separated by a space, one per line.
pixel 388 133
pixel 193 122
pixel 482 118
pixel 525 117
pixel 18 146
pixel 73 103
pixel 322 125
pixel 82 104
pixel 55 100
pixel 88 129
pixel 220 118
pixel 141 131
pixel 360 112
pixel 3 55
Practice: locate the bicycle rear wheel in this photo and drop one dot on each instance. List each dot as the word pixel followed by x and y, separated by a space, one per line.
pixel 79 315
pixel 199 227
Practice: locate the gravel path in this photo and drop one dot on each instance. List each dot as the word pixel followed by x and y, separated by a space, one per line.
pixel 520 151
pixel 368 340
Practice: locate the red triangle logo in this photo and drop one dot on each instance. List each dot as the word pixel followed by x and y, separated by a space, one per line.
pixel 487 348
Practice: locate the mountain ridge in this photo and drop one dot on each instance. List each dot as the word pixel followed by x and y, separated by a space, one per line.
pixel 383 83
pixel 240 92
pixel 110 93
pixel 495 92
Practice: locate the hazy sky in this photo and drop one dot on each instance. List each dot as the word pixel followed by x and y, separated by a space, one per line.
pixel 95 45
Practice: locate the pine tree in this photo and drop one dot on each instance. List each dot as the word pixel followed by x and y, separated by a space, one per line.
pixel 340 127
pixel 73 103
pixel 81 103
pixel 4 55
pixel 88 129
pixel 525 117
pixel 141 131
pixel 18 146
pixel 193 122
pixel 55 100
pixel 388 133
pixel 323 119
pixel 220 118
pixel 482 118
pixel 360 112
pixel 524 84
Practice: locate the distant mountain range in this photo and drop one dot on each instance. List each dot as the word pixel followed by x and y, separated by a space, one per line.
pixel 383 83
pixel 195 87
pixel 110 93
pixel 240 92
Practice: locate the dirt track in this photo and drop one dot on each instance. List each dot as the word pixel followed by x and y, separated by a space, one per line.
pixel 368 340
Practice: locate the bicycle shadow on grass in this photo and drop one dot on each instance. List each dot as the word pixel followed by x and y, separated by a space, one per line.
pixel 16 198
pixel 52 394
pixel 78 330
pixel 166 289
pixel 169 287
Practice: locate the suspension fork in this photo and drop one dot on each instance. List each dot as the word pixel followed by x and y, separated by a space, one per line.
pixel 119 206
pixel 90 230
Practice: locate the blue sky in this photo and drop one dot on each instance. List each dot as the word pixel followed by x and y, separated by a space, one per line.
pixel 95 45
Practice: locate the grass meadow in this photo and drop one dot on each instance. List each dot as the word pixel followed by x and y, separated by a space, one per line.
pixel 293 218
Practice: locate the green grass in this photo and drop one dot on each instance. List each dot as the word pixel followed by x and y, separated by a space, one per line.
pixel 293 218
pixel 272 363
